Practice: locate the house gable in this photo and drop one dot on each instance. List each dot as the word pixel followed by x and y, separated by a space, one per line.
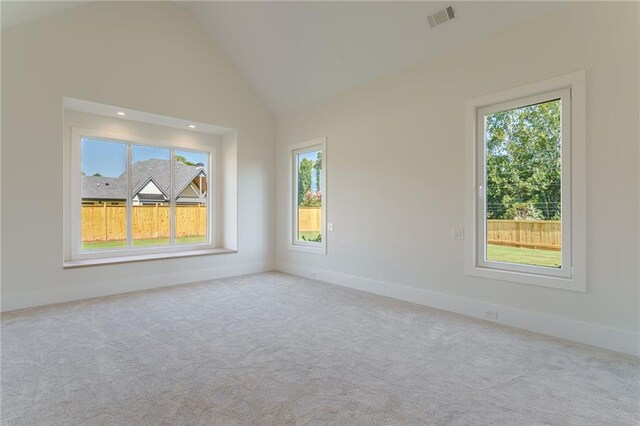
pixel 150 188
pixel 189 192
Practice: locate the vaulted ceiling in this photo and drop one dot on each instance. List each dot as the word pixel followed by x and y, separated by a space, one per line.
pixel 295 53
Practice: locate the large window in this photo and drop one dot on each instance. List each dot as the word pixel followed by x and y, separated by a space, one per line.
pixel 521 163
pixel 135 196
pixel 524 187
pixel 308 196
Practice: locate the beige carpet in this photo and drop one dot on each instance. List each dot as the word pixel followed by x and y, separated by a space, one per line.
pixel 276 349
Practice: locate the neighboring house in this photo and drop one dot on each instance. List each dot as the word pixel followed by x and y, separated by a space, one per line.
pixel 150 180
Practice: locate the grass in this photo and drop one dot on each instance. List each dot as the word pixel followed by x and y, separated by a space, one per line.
pixel 525 256
pixel 308 235
pixel 147 242
pixel 497 253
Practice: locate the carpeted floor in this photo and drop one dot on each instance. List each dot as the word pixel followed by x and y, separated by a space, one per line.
pixel 275 349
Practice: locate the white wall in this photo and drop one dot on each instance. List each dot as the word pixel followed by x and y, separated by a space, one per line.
pixel 396 175
pixel 151 57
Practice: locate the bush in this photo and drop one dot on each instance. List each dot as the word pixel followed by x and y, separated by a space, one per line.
pixel 311 199
pixel 523 211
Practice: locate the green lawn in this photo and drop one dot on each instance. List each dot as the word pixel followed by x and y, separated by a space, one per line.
pixel 309 236
pixel 148 242
pixel 524 256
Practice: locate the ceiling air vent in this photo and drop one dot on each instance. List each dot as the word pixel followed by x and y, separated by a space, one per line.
pixel 441 16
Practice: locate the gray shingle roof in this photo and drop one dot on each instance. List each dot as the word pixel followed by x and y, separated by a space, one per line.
pixel 104 188
pixel 115 188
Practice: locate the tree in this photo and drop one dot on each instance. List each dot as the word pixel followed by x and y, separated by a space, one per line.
pixel 524 162
pixel 318 169
pixel 183 160
pixel 97 175
pixel 304 178
pixel 523 211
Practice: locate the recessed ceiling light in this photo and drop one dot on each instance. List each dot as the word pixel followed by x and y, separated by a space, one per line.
pixel 121 113
pixel 192 126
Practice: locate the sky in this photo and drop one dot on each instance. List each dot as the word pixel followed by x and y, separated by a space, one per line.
pixel 110 158
pixel 311 156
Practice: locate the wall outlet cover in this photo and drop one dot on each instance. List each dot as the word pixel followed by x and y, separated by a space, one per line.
pixel 490 313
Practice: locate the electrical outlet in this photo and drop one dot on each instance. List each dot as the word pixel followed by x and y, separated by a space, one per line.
pixel 330 226
pixel 457 233
pixel 490 313
pixel 312 275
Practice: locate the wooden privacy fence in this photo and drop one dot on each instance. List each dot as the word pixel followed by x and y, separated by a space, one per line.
pixel 309 219
pixel 107 223
pixel 538 234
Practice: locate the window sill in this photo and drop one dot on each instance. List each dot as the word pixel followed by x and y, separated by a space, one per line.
pixel 571 284
pixel 68 264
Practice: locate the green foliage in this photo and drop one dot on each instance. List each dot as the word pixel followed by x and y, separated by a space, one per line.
pixel 304 178
pixel 316 239
pixel 318 169
pixel 306 168
pixel 97 175
pixel 183 160
pixel 523 211
pixel 311 199
pixel 524 162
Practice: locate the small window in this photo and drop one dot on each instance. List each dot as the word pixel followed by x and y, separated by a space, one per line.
pixel 308 197
pixel 525 193
pixel 136 197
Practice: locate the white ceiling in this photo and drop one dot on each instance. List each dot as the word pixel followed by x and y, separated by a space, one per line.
pixel 19 12
pixel 295 53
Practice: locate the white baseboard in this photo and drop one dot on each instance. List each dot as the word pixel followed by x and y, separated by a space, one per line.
pixel 12 302
pixel 577 331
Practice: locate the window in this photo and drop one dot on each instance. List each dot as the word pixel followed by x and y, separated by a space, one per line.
pixel 136 196
pixel 308 197
pixel 528 185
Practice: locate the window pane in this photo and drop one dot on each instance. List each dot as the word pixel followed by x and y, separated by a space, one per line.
pixel 309 171
pixel 150 194
pixel 523 188
pixel 104 193
pixel 191 170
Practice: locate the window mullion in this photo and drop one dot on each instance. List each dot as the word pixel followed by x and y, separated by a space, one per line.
pixel 566 184
pixel 480 190
pixel 128 199
pixel 172 200
pixel 294 196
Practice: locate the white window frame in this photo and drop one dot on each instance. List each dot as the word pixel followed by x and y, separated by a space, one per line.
pixel 572 274
pixel 77 134
pixel 319 144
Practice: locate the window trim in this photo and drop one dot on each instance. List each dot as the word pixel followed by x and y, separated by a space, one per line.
pixel 572 275
pixel 318 144
pixel 564 95
pixel 75 231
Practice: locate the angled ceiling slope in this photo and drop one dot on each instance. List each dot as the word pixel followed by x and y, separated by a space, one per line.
pixel 296 53
pixel 18 12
